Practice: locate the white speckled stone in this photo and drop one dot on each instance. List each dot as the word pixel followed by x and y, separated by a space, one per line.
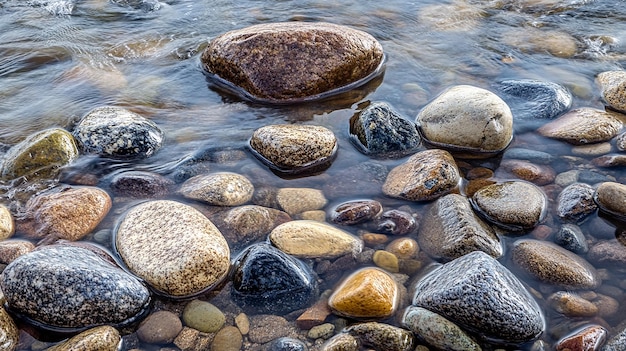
pixel 613 86
pixel 104 338
pixel 220 189
pixel 173 247
pixel 12 249
pixel 297 200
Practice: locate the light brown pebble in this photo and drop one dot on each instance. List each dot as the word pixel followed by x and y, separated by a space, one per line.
pixel 160 327
pixel 592 149
pixel 298 200
pixel 265 328
pixel 613 87
pixel 373 239
pixel 243 323
pixel 403 248
pixel 104 338
pixel 611 197
pixel 386 260
pixel 572 305
pixel 316 215
pixel 324 331
pixel 534 40
pixel 219 189
pixel 341 342
pixel 607 306
pixel 190 339
pixel 537 174
pixel 12 249
pixel 9 334
pixel 583 126
pixel 7 224
pixel 227 339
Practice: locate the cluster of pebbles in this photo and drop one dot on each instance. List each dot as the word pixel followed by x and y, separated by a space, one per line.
pixel 472 240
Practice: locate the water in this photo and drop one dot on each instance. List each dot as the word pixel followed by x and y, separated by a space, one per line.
pixel 61 58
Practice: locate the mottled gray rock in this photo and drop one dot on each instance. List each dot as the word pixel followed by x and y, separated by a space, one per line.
pixel 575 203
pixel 425 176
pixel 511 205
pixel 468 119
pixel 611 197
pixel 173 247
pixel 437 330
pixel 552 264
pixel 140 184
pixel 104 338
pixel 40 155
pixel 63 286
pixel 9 334
pixel 117 133
pixel 341 342
pixel 218 189
pixel 363 180
pixel 617 342
pixel 534 156
pixel 450 229
pixel 381 336
pixel 571 238
pixel 291 148
pixel 620 142
pixel 288 344
pixel 613 88
pixel 381 131
pixel 608 252
pixel 293 61
pixel 583 126
pixel 160 327
pixel 355 212
pixel 481 296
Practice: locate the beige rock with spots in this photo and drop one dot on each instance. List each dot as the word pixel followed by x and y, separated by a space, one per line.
pixel 298 200
pixel 613 87
pixel 611 197
pixel 7 224
pixel 70 213
pixel 552 264
pixel 456 17
pixel 583 126
pixel 12 249
pixel 468 119
pixel 244 224
pixel 104 338
pixel 533 40
pixel 368 293
pixel 219 189
pixel 312 239
pixel 173 247
pixel 292 148
pixel 425 176
pixel 9 334
pixel 572 305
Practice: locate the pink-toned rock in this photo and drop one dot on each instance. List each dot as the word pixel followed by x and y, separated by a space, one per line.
pixel 537 174
pixel 590 338
pixel 12 249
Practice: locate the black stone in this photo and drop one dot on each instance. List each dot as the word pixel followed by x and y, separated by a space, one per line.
pixel 267 280
pixel 380 131
pixel 571 238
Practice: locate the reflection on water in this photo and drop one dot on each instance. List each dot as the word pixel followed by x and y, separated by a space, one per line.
pixel 61 58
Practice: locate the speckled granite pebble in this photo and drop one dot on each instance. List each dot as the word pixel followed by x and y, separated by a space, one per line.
pixel 575 202
pixel 266 327
pixel 227 339
pixel 140 184
pixel 298 200
pixel 9 334
pixel 173 247
pixel 219 189
pixel 244 225
pixel 341 342
pixel 583 126
pixel 12 249
pixel 608 252
pixel 571 237
pixel 613 87
pixel 312 239
pixel 437 330
pixel 482 296
pixel 381 336
pixel 7 224
pixel 64 286
pixel 117 133
pixel 288 344
pixel 104 338
pixel 160 327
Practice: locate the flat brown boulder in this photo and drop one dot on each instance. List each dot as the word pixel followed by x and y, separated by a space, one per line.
pixel 293 61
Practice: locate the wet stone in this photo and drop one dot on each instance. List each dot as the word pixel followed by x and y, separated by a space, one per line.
pixel 571 238
pixel 293 61
pixel 379 130
pixel 65 286
pixel 467 119
pixel 173 247
pixel 511 205
pixel 323 331
pixel 140 184
pixel 266 280
pixel 227 339
pixel 617 342
pixel 9 334
pixel 382 336
pixel 218 189
pixel 536 174
pixel 437 330
pixel 611 197
pixel 203 316
pixel 341 342
pixel 355 212
pixel 572 305
pixel 117 133
pixel 534 40
pixel 7 224
pixel 533 156
pixel 397 222
pixel 12 249
pixel 592 149
pixel 592 177
pixel 250 223
pixel 265 328
pixel 481 296
pixel 288 344
pixel 104 338
pixel 451 229
pixel 589 338
pixel 613 88
pixel 362 180
pixel 575 203
pixel 608 252
pixel 40 155
pixel 160 327
pixel 296 149
pixel 312 239
pixel 386 260
pixel 552 264
pixel 298 200
pixel 425 176
pixel 583 126
pixel 613 160
pixel 403 248
pixel 620 142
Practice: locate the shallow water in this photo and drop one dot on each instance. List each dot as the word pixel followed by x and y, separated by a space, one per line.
pixel 61 58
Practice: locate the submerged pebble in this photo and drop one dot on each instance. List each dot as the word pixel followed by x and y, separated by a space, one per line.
pixel 218 189
pixel 583 126
pixel 437 330
pixel 381 336
pixel 575 203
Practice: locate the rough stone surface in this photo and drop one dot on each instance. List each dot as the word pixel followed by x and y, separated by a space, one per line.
pixel 355 212
pixel 68 213
pixel 218 189
pixel 292 61
pixel 482 296
pixel 511 205
pixel 611 160
pixel 227 339
pixel 173 247
pixel 437 330
pixel 7 224
pixel 117 133
pixel 571 238
pixel 266 280
pixel 611 197
pixel 617 342
pixel 608 252
pixel 291 148
pixel 265 328
pixel 613 88
pixel 468 119
pixel 203 316
pixel 572 305
pixel 312 239
pixel 104 338
pixel 160 327
pixel 288 344
pixel 9 334
pixel 341 342
pixel 63 286
pixel 590 338
pixel 12 249
pixel 381 336
pixel 397 222
pixel 40 155
pixel 369 293
pixel 298 200
pixel 575 203
pixel 244 225
pixel 425 176
pixel 552 264
pixel 583 126
pixel 140 184
pixel 381 131
pixel 451 229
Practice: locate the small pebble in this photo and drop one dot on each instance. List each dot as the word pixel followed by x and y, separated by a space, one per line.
pixel 160 327
pixel 203 316
pixel 227 339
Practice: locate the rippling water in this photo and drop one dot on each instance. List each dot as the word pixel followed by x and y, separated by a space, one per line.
pixel 61 58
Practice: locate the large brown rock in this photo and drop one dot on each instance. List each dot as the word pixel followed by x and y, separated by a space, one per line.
pixel 293 61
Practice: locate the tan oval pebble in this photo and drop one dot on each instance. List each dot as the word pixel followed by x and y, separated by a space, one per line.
pixel 312 239
pixel 607 306
pixel 104 338
pixel 611 197
pixel 316 215
pixel 583 126
pixel 592 149
pixel 227 339
pixel 12 249
pixel 613 87
pixel 537 174
pixel 9 334
pixel 403 248
pixel 533 40
pixel 243 323
pixel 173 247
pixel 219 189
pixel 298 200
pixel 366 293
pixel 386 260
pixel 341 342
pixel 7 224
pixel 373 239
pixel 160 327
pixel 572 305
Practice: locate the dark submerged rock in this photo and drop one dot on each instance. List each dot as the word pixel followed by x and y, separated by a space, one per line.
pixel 267 280
pixel 576 202
pixel 292 61
pixel 140 184
pixel 570 237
